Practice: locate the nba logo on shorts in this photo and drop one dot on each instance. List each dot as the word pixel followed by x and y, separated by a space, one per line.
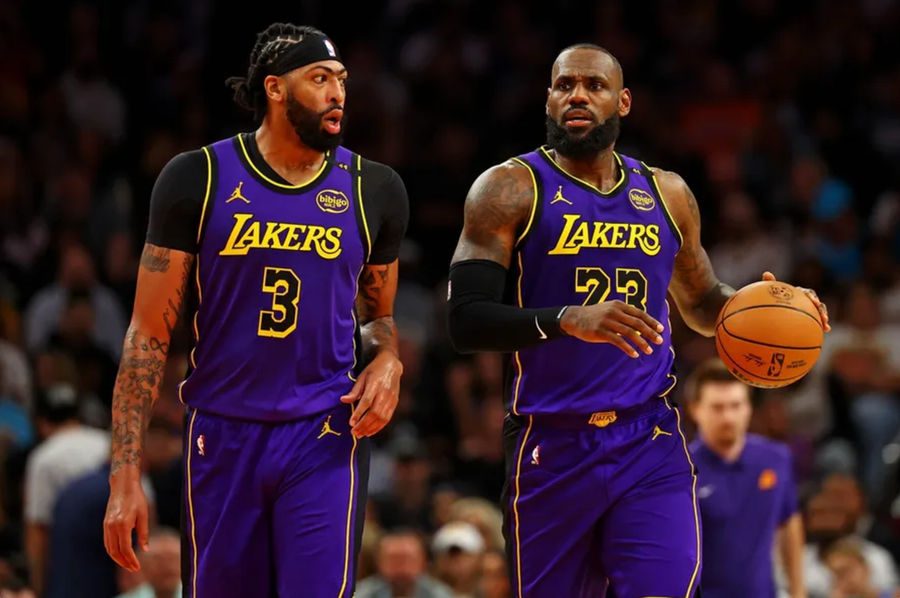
pixel 329 47
pixel 201 445
pixel 536 455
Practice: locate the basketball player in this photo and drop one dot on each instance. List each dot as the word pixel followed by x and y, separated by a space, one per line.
pixel 746 493
pixel 290 242
pixel 586 243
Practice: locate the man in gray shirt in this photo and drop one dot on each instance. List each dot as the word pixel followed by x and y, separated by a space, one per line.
pixel 401 562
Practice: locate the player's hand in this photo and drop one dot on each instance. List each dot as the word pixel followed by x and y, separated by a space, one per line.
pixel 613 322
pixel 377 391
pixel 823 310
pixel 125 511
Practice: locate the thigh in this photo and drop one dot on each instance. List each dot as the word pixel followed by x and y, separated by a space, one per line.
pixel 552 506
pixel 226 521
pixel 319 509
pixel 650 536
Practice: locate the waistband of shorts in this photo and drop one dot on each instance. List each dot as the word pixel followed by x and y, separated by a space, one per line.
pixel 602 419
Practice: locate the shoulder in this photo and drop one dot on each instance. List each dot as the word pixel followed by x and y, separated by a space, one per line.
pixel 186 162
pixel 769 450
pixel 507 186
pixel 376 170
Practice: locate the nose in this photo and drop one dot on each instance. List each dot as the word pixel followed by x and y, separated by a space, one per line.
pixel 579 95
pixel 336 92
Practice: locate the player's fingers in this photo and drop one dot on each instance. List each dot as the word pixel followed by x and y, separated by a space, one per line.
pixel 358 387
pixel 642 328
pixel 631 335
pixel 143 528
pixel 652 322
pixel 363 406
pixel 617 340
pixel 121 539
pixel 823 309
pixel 768 276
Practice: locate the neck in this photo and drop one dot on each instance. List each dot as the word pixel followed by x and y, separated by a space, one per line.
pixel 601 169
pixel 282 149
pixel 728 451
pixel 164 593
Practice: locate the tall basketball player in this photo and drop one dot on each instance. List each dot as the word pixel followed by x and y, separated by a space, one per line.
pixel 290 242
pixel 585 243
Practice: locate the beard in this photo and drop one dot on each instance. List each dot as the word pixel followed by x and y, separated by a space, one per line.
pixel 587 144
pixel 307 124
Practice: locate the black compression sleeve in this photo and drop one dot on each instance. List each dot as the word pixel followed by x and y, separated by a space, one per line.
pixel 177 201
pixel 387 210
pixel 478 321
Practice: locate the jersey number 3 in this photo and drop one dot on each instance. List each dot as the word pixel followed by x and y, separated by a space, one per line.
pixel 281 320
pixel 630 283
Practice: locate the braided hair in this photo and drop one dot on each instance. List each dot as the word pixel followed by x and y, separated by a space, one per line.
pixel 271 43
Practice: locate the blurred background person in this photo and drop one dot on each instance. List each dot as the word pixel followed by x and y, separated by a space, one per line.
pixel 402 569
pixel 458 550
pixel 161 567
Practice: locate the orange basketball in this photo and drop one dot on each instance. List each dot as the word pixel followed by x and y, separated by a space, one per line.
pixel 769 334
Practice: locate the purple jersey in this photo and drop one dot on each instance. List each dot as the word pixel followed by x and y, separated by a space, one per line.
pixel 583 246
pixel 276 276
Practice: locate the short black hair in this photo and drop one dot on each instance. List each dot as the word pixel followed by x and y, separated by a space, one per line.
pixel 271 43
pixel 596 48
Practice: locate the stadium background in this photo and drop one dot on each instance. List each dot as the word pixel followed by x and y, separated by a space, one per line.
pixel 784 118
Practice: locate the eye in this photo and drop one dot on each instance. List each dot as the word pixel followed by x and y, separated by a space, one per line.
pixel 597 86
pixel 563 86
pixel 319 78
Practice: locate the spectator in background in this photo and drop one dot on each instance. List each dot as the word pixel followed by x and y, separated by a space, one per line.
pixel 484 515
pixel 76 273
pixel 852 578
pixel 161 566
pixel 16 588
pixel 458 552
pixel 495 575
pixel 401 565
pixel 827 521
pixel 407 503
pixel 67 450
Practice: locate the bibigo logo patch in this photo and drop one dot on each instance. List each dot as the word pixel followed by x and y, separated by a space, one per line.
pixel 641 200
pixel 333 202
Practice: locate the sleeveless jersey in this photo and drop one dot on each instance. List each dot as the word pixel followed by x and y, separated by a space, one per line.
pixel 275 330
pixel 584 246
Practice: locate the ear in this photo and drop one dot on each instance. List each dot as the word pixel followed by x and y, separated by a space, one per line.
pixel 624 102
pixel 547 103
pixel 276 88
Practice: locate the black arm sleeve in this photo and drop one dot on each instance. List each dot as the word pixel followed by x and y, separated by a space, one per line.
pixel 177 201
pixel 387 210
pixel 479 321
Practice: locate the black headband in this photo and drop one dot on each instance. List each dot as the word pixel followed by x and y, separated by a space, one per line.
pixel 313 47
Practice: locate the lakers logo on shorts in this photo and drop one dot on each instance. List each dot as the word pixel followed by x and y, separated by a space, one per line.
pixel 601 419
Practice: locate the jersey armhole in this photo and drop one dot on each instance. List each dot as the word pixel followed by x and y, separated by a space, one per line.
pixel 534 214
pixel 648 174
pixel 365 235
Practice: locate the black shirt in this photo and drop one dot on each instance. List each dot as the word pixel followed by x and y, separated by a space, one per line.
pixel 177 201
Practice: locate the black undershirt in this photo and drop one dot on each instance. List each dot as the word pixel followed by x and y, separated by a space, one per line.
pixel 177 202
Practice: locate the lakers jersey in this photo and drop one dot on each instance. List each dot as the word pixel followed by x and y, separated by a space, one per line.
pixel 276 280
pixel 584 246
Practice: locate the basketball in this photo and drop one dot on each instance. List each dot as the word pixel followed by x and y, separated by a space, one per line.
pixel 769 334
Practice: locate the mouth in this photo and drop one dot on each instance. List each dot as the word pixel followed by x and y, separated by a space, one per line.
pixel 332 121
pixel 578 118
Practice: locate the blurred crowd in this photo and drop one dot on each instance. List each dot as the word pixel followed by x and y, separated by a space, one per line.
pixel 783 117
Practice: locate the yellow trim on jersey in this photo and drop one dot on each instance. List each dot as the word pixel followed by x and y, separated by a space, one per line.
pixel 662 200
pixel 208 188
pixel 276 183
pixel 362 210
pixel 516 354
pixel 584 182
pixel 347 555
pixel 674 378
pixel 190 450
pixel 687 454
pixel 534 201
pixel 355 322
pixel 516 508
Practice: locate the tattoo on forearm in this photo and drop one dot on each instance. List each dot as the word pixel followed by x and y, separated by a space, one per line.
pixel 141 372
pixel 155 259
pixel 371 285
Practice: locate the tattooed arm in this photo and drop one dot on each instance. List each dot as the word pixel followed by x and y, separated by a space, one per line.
pixel 377 388
pixel 161 286
pixel 698 293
